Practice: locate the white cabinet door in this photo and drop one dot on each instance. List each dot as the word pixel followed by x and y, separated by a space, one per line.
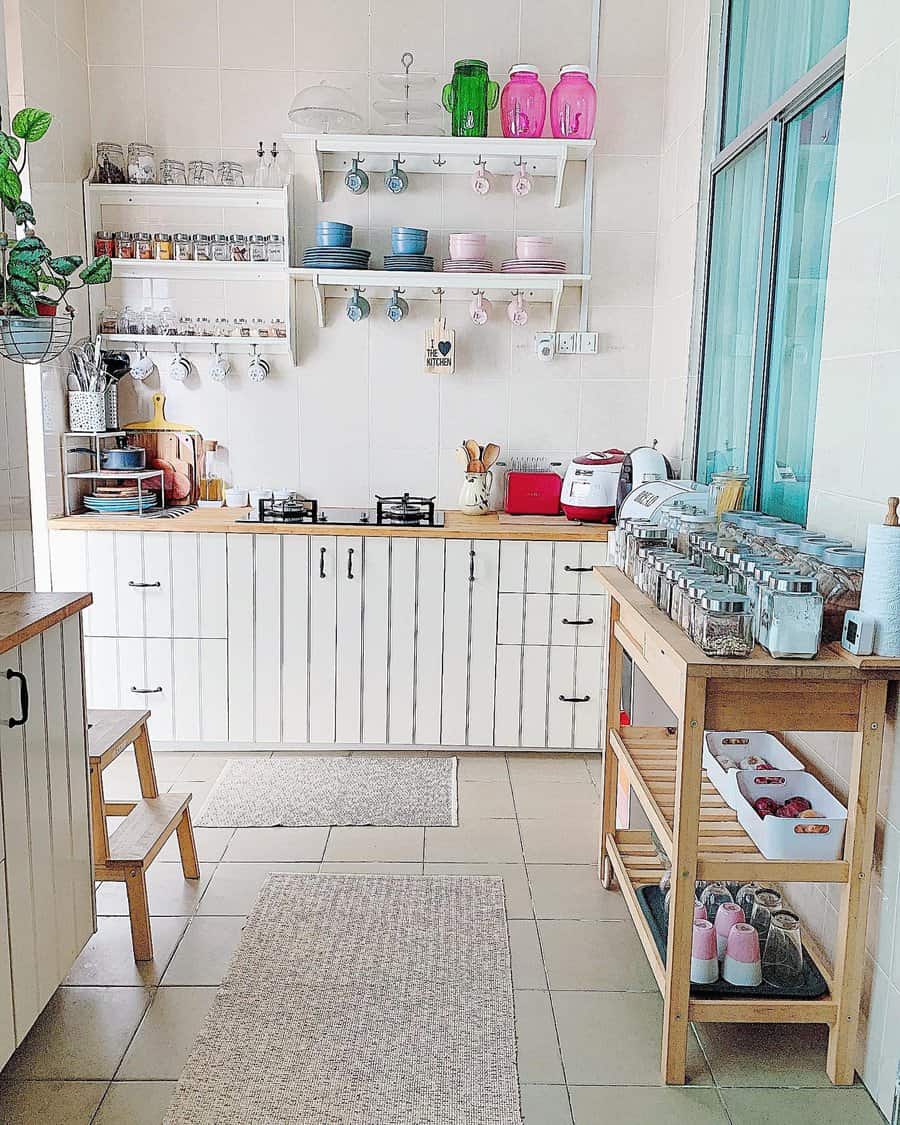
pixel 7 1016
pixel 483 643
pixel 590 685
pixel 376 640
pixel 349 652
pixel 151 588
pixel 508 705
pixel 512 566
pixel 240 638
pixel 295 637
pixel 322 637
pixel 100 618
pixel 265 655
pixel 401 699
pixel 534 696
pixel 460 562
pixel 429 634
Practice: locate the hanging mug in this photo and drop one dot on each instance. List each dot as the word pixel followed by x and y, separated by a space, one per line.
pixel 521 182
pixel 517 311
pixel 179 368
pixel 356 180
pixel 396 179
pixel 219 367
pixel 143 367
pixel 358 308
pixel 480 308
pixel 475 494
pixel 259 367
pixel 482 181
pixel 397 308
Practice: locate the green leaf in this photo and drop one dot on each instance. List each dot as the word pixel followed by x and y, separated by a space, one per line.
pixel 20 286
pixel 31 124
pixel 26 304
pixel 11 147
pixel 24 213
pixel 24 271
pixel 66 264
pixel 97 272
pixel 31 249
pixel 10 185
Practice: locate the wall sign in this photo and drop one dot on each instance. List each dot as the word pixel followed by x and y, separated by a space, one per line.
pixel 440 348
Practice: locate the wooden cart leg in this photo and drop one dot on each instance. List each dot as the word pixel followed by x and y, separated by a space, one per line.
pixel 187 846
pixel 143 757
pixel 610 761
pixel 684 876
pixel 139 913
pixel 99 827
pixel 862 806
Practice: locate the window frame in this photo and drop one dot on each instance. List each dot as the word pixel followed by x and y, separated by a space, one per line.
pixel 772 125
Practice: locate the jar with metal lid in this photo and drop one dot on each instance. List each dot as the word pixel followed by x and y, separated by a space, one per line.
pixel 787 540
pixel 654 573
pixel 756 583
pixel 702 544
pixel 275 248
pixel 143 246
pixel 746 567
pixel 259 248
pixel 728 531
pixel 641 535
pixel 163 247
pixel 745 522
pixel 240 251
pixel 124 244
pixel 619 539
pixel 811 548
pixel 141 164
pixel 672 571
pixel 184 248
pixel 680 584
pixel 110 163
pixel 718 561
pixel 220 251
pixel 689 524
pixel 723 624
pixel 791 617
pixel 201 247
pixel 732 560
pixel 104 243
pixel 726 492
pixel 762 537
pixel 693 591
pixel 839 577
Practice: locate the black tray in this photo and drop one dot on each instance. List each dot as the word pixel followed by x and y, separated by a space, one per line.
pixel 810 987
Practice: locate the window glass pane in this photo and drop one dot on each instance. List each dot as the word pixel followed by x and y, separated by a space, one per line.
pixel 772 43
pixel 731 313
pixel 800 270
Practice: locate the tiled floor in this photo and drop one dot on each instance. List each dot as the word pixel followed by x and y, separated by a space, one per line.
pixel 112 1042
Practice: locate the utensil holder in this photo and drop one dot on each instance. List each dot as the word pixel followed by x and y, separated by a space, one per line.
pixel 112 406
pixel 87 412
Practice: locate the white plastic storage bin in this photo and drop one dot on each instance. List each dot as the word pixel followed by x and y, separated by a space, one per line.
pixel 782 838
pixel 737 745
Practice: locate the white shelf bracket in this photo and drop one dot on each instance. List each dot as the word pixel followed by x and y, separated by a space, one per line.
pixel 320 173
pixel 319 294
pixel 560 175
pixel 554 307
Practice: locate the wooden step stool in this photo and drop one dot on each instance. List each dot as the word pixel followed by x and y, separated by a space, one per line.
pixel 125 855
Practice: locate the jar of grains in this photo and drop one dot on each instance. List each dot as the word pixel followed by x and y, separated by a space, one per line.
pixel 723 625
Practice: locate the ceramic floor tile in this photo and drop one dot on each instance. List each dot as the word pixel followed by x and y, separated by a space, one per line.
pixel 605 956
pixel 82 1033
pixel 638 1105
pixel 205 951
pixel 234 887
pixel 763 1055
pixel 547 841
pixel 485 799
pixel 391 845
pixel 351 868
pixel 211 844
pixel 169 893
pixel 801 1107
pixel 199 791
pixel 474 841
pixel 567 768
pixel 546 1105
pixel 207 767
pixel 525 950
pixel 161 1045
pixel 515 884
pixel 108 958
pixel 135 1103
pixel 539 1060
pixel 51 1103
pixel 613 1039
pixel 557 800
pixel 262 845
pixel 481 767
pixel 573 891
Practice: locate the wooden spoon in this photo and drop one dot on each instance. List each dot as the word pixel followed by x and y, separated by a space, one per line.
pixel 473 449
pixel 477 466
pixel 462 456
pixel 490 455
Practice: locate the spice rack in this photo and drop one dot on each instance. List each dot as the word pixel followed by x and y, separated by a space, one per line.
pixel 700 833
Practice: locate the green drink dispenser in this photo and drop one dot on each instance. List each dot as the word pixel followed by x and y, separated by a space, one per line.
pixel 468 97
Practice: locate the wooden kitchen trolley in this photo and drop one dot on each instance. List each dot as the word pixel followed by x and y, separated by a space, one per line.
pixel 699 831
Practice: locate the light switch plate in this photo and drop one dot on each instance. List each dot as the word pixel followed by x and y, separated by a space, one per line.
pixel 566 342
pixel 588 343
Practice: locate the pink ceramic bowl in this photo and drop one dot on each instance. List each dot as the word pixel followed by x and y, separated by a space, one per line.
pixel 468 245
pixel 532 247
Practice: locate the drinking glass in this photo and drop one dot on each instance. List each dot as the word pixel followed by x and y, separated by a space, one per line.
pixel 765 903
pixel 713 897
pixel 782 961
pixel 745 896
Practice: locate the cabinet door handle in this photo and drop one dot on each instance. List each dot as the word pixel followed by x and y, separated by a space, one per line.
pixel 349 562
pixel 574 698
pixel 587 621
pixel 146 690
pixel 322 561
pixel 471 566
pixel 12 674
pixel 145 585
pixel 578 569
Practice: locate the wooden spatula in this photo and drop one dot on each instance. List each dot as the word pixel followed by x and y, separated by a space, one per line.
pixel 490 455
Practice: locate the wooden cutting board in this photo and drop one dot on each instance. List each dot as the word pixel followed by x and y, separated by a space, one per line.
pixel 536 521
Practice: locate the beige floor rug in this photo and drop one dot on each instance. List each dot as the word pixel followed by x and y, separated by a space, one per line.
pixel 361 1000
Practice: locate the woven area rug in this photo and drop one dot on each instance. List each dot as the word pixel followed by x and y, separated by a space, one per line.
pixel 318 792
pixel 361 1000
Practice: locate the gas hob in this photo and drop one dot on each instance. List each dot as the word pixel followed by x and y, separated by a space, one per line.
pixel 389 511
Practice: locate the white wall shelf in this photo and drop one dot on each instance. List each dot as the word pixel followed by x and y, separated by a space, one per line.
pixel 547 287
pixel 545 156
pixel 270 344
pixel 191 271
pixel 180 195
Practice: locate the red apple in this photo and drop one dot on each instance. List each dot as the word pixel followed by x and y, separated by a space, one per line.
pixel 765 806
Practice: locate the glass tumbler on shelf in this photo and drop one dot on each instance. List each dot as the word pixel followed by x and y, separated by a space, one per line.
pixel 782 959
pixel 766 902
pixel 745 897
pixel 713 896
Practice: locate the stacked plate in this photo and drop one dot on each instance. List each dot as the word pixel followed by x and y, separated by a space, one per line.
pixel 467 265
pixel 121 503
pixel 336 258
pixel 410 263
pixel 531 265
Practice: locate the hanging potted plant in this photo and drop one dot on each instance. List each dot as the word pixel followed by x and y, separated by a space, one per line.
pixel 35 282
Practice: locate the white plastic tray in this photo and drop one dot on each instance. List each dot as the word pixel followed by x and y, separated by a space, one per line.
pixel 781 838
pixel 758 742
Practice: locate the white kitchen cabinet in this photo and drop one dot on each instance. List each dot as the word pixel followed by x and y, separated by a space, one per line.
pixel 376 640
pixel 322 638
pixel 295 638
pixel 429 639
pixel 349 568
pixel 404 593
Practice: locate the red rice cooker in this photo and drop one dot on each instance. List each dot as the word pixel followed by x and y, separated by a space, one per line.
pixel 590 486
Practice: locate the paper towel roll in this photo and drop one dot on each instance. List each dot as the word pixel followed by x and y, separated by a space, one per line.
pixel 880 596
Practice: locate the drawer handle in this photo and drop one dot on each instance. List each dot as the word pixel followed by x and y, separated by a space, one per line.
pixel 12 674
pixel 349 562
pixel 322 562
pixel 587 621
pixel 145 585
pixel 574 698
pixel 146 690
pixel 578 569
pixel 471 566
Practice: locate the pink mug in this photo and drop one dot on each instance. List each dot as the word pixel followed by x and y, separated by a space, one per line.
pixel 704 962
pixel 742 962
pixel 480 309
pixel 517 311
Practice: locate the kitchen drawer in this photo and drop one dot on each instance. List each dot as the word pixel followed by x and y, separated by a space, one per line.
pixel 573 564
pixel 520 714
pixel 576 697
pixel 579 620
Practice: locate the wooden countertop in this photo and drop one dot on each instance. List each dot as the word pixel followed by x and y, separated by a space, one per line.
pixel 457 526
pixel 23 616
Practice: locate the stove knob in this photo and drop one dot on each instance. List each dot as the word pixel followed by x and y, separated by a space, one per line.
pixel 364 518
pixel 323 518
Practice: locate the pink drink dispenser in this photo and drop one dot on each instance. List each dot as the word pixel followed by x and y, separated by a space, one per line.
pixel 523 103
pixel 573 104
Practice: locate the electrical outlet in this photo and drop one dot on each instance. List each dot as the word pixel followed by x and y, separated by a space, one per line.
pixel 545 345
pixel 588 343
pixel 565 342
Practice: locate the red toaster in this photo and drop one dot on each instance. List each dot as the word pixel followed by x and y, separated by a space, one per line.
pixel 533 494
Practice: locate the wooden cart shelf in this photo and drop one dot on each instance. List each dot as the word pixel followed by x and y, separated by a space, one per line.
pixel 698 831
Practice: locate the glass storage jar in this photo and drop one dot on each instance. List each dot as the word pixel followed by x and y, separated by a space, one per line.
pixel 573 104
pixel 732 560
pixel 641 534
pixel 762 537
pixel 124 244
pixel 523 103
pixel 184 248
pixel 689 524
pixel 745 522
pixel 810 550
pixel 110 163
pixel 685 575
pixel 787 540
pixel 275 248
pixel 164 248
pixel 141 164
pixel 695 591
pixel 104 243
pixel 839 577
pixel 726 492
pixel 240 251
pixel 655 573
pixel 143 246
pixel 757 584
pixel 746 567
pixel 702 545
pixel 728 531
pixel 717 564
pixel 791 616
pixel 668 580
pixel 201 247
pixel 219 249
pixel 723 624
pixel 259 248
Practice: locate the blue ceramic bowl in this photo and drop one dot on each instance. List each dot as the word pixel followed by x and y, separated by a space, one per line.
pixel 408 245
pixel 337 235
pixel 417 231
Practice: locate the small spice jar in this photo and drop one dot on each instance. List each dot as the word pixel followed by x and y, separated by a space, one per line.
pixel 839 579
pixel 668 583
pixel 201 247
pixel 163 247
pixel 702 544
pixel 746 567
pixel 792 617
pixel 279 328
pixel 240 251
pixel 688 524
pixel 184 248
pixel 641 535
pixel 259 248
pixel 681 580
pixel 143 246
pixel 275 248
pixel 219 248
pixel 690 600
pixel 104 243
pixel 723 624
pixel 645 576
pixel 124 244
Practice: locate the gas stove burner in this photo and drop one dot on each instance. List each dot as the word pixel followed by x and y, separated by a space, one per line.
pixel 405 509
pixel 294 509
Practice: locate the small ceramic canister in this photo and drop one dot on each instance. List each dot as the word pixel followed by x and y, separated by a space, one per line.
pixel 704 962
pixel 742 962
pixel 727 916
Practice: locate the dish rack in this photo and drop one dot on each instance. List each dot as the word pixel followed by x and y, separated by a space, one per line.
pixel 701 834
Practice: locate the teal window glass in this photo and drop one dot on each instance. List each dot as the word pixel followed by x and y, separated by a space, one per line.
pixel 728 349
pixel 801 266
pixel 772 44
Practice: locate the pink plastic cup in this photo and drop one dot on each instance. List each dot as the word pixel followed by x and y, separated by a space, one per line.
pixel 742 963
pixel 728 915
pixel 704 961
